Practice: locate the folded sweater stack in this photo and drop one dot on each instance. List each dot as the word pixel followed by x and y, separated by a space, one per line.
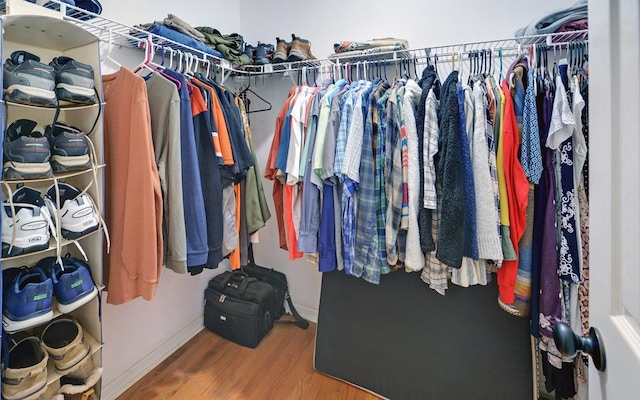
pixel 369 47
pixel 203 38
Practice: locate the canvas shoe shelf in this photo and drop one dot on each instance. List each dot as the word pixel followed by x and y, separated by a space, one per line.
pixel 48 36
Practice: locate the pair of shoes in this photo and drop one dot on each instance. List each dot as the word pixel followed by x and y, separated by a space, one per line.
pixel 297 50
pixel 28 154
pixel 63 340
pixel 260 54
pixel 28 81
pixel 28 291
pixel 27 217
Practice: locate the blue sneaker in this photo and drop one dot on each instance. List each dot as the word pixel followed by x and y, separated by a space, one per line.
pixel 27 296
pixel 26 152
pixel 28 81
pixel 74 80
pixel 69 147
pixel 72 283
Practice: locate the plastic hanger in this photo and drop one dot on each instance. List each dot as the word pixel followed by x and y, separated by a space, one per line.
pixel 107 58
pixel 147 63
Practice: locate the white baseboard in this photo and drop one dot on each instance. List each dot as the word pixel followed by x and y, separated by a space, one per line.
pixel 308 313
pixel 126 379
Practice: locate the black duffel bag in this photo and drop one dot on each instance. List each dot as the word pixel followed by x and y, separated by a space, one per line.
pixel 239 308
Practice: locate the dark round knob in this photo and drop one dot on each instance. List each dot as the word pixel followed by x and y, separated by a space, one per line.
pixel 569 343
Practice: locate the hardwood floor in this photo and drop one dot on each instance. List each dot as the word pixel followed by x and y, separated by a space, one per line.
pixel 210 367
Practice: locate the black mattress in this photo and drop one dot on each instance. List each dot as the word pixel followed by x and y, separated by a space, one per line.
pixel 402 340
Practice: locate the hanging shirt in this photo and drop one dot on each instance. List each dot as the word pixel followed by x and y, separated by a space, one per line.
pixel 450 245
pixel 488 234
pixel 164 107
pixel 366 243
pixel 550 303
pixel 209 181
pixel 133 197
pixel 470 240
pixel 380 129
pixel 310 221
pixel 393 177
pixel 271 171
pixel 414 259
pixel 517 190
pixel 560 139
pixel 193 199
pixel 351 176
pixel 296 139
pixel 530 153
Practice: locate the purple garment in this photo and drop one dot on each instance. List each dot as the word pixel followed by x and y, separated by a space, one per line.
pixel 550 303
pixel 577 25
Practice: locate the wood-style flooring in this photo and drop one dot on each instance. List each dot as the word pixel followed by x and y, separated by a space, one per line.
pixel 210 367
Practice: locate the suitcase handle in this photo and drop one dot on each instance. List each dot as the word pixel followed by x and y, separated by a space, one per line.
pixel 242 276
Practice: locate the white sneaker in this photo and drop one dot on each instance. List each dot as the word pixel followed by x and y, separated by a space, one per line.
pixel 76 212
pixel 25 223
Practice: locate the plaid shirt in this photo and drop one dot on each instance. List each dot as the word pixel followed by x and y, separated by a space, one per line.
pixel 346 115
pixel 393 177
pixel 347 107
pixel 353 148
pixel 380 133
pixel 366 233
pixel 430 149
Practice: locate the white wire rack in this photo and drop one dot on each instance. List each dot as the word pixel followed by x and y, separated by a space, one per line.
pixel 495 52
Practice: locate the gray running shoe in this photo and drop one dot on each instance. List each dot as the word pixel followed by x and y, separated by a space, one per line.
pixel 28 81
pixel 26 152
pixel 74 80
pixel 69 147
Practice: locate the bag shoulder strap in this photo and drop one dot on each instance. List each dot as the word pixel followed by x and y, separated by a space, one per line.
pixel 299 321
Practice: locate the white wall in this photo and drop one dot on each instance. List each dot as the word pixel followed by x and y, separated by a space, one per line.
pixel 221 14
pixel 422 23
pixel 139 334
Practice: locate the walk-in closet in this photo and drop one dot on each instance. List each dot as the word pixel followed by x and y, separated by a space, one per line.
pixel 449 189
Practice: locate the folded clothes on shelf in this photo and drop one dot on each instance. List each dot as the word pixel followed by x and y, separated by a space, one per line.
pixel 158 28
pixel 371 45
pixel 180 25
pixel 556 20
pixel 346 49
pixel 231 45
pixel 203 38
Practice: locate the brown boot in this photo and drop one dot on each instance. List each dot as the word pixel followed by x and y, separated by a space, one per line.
pixel 81 389
pixel 300 49
pixel 282 51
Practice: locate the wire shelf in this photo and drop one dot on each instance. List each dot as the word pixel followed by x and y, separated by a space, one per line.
pixel 118 34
